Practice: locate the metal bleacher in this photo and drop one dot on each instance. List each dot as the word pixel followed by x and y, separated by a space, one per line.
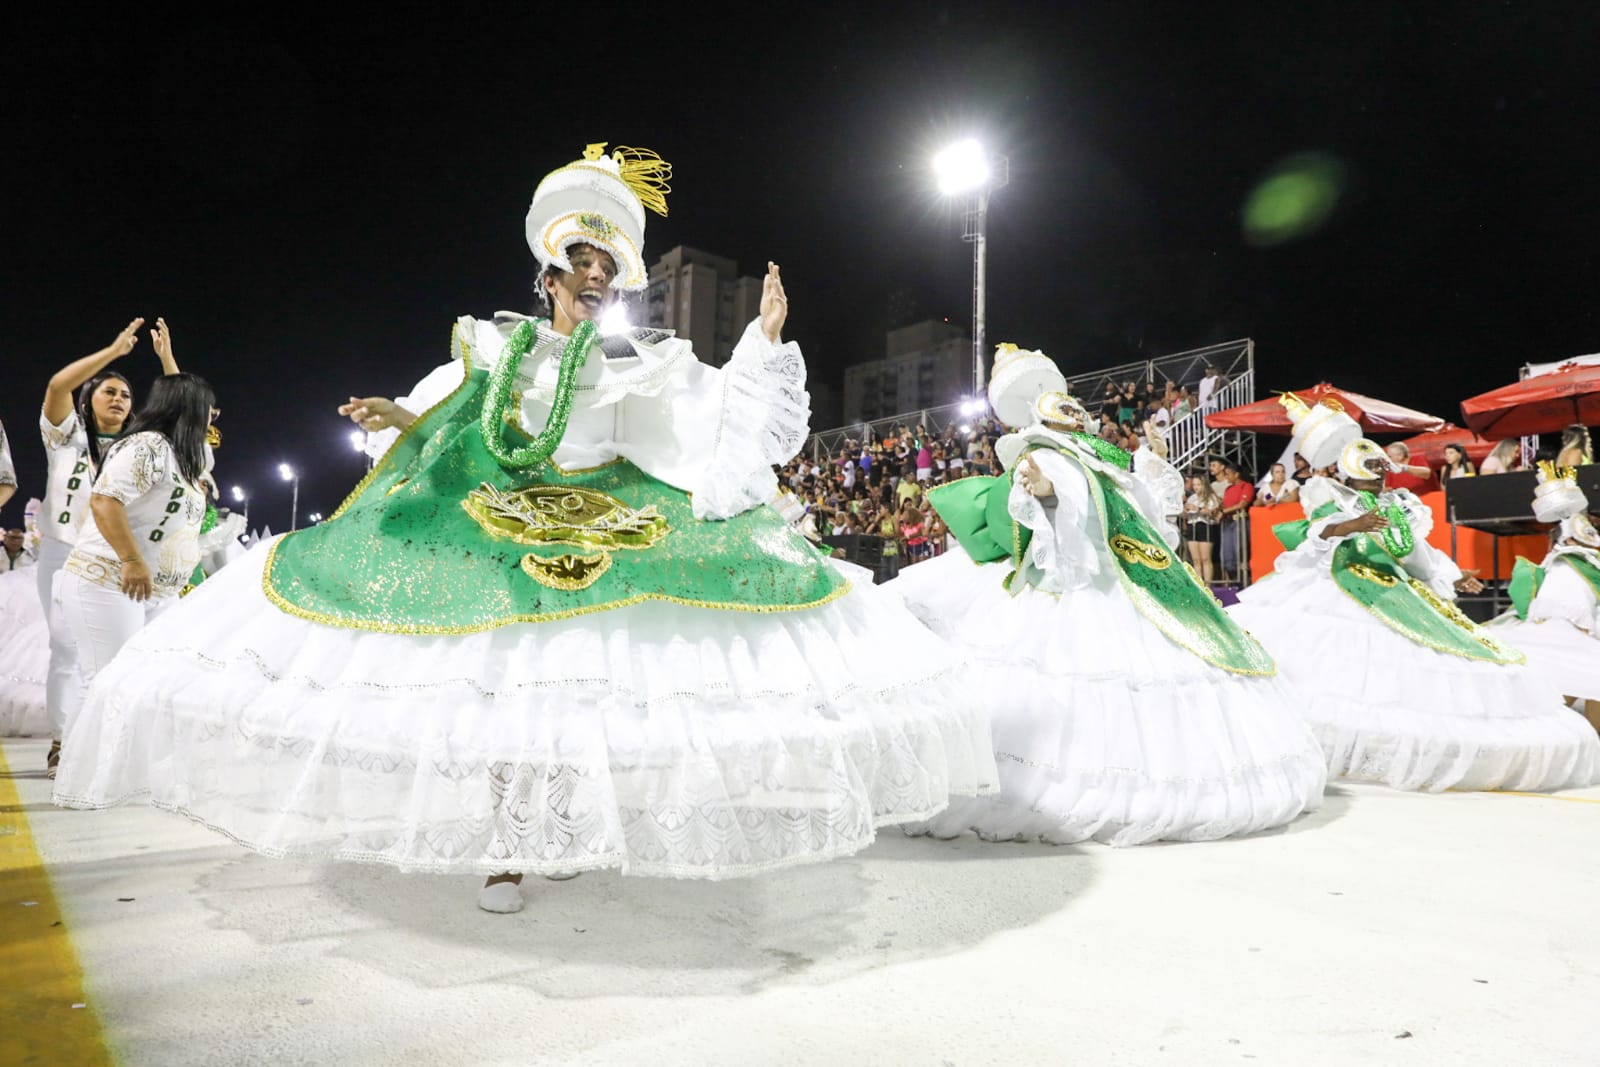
pixel 1189 440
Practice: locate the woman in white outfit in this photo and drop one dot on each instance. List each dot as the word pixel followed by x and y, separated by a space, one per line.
pixel 141 545
pixel 76 435
pixel 1398 684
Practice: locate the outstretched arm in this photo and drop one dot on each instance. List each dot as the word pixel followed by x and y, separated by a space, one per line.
pixel 374 413
pixel 58 394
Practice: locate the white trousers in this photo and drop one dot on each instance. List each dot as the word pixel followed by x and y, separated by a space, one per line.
pixel 61 685
pixel 102 621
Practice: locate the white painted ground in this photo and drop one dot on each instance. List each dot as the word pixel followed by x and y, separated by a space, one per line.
pixel 1389 928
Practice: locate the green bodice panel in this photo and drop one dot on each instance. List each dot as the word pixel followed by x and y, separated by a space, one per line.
pixel 440 538
pixel 1162 588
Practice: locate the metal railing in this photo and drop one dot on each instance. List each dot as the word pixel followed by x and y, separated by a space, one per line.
pixel 1188 439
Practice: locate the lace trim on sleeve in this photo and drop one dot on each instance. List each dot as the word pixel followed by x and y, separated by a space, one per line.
pixel 762 422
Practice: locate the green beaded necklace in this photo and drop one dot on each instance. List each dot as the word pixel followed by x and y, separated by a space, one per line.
pixel 1397 538
pixel 572 358
pixel 1108 452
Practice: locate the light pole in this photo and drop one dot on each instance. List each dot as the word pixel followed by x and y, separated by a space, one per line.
pixel 239 497
pixel 358 441
pixel 288 474
pixel 964 169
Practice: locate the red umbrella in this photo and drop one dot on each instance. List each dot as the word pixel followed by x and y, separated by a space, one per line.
pixel 1427 449
pixel 1570 394
pixel 1375 416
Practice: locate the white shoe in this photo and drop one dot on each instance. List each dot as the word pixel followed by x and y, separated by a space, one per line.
pixel 502 898
pixel 562 876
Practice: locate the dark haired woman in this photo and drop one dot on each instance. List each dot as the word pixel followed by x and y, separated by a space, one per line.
pixel 1456 464
pixel 76 433
pixel 137 555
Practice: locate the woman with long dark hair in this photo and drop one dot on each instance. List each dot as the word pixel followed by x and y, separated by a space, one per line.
pixel 76 431
pixel 137 555
pixel 1456 464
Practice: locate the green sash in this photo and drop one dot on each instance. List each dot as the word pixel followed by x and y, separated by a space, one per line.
pixel 977 512
pixel 1375 580
pixel 441 539
pixel 1291 535
pixel 1162 588
pixel 1526 579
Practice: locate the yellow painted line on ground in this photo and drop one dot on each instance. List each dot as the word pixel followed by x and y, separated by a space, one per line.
pixel 40 981
pixel 1546 796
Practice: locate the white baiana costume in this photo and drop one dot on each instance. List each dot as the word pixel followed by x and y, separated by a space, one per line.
pixel 24 645
pixel 1105 728
pixel 1414 713
pixel 653 735
pixel 1559 626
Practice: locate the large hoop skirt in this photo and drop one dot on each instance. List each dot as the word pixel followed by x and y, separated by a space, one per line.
pixel 657 738
pixel 1386 709
pixel 1104 728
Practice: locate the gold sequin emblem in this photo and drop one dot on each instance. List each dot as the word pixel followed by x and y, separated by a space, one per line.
pixel 1372 574
pixel 568 571
pixel 1141 553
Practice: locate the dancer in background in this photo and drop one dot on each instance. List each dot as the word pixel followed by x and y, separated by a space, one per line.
pixel 1127 706
pixel 24 640
pixel 1399 685
pixel 1555 616
pixel 76 435
pixel 558 627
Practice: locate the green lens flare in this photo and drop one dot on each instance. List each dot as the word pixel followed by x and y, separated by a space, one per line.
pixel 1294 200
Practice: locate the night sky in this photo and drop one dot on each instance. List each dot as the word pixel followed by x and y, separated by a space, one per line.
pixel 310 204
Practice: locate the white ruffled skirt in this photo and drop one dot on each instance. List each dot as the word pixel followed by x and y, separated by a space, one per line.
pixel 1388 710
pixel 24 656
pixel 1105 729
pixel 659 739
pixel 1566 657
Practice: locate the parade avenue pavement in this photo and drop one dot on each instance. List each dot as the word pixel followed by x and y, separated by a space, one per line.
pixel 1387 928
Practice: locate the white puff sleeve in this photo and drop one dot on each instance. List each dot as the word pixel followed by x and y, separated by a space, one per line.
pixel 1058 557
pixel 718 432
pixel 1565 595
pixel 135 465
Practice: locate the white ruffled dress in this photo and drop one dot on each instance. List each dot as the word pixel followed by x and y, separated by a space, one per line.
pixel 1389 710
pixel 658 738
pixel 1561 635
pixel 24 656
pixel 1104 728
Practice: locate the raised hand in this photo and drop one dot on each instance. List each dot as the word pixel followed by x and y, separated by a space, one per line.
pixel 774 303
pixel 125 340
pixel 161 338
pixel 374 413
